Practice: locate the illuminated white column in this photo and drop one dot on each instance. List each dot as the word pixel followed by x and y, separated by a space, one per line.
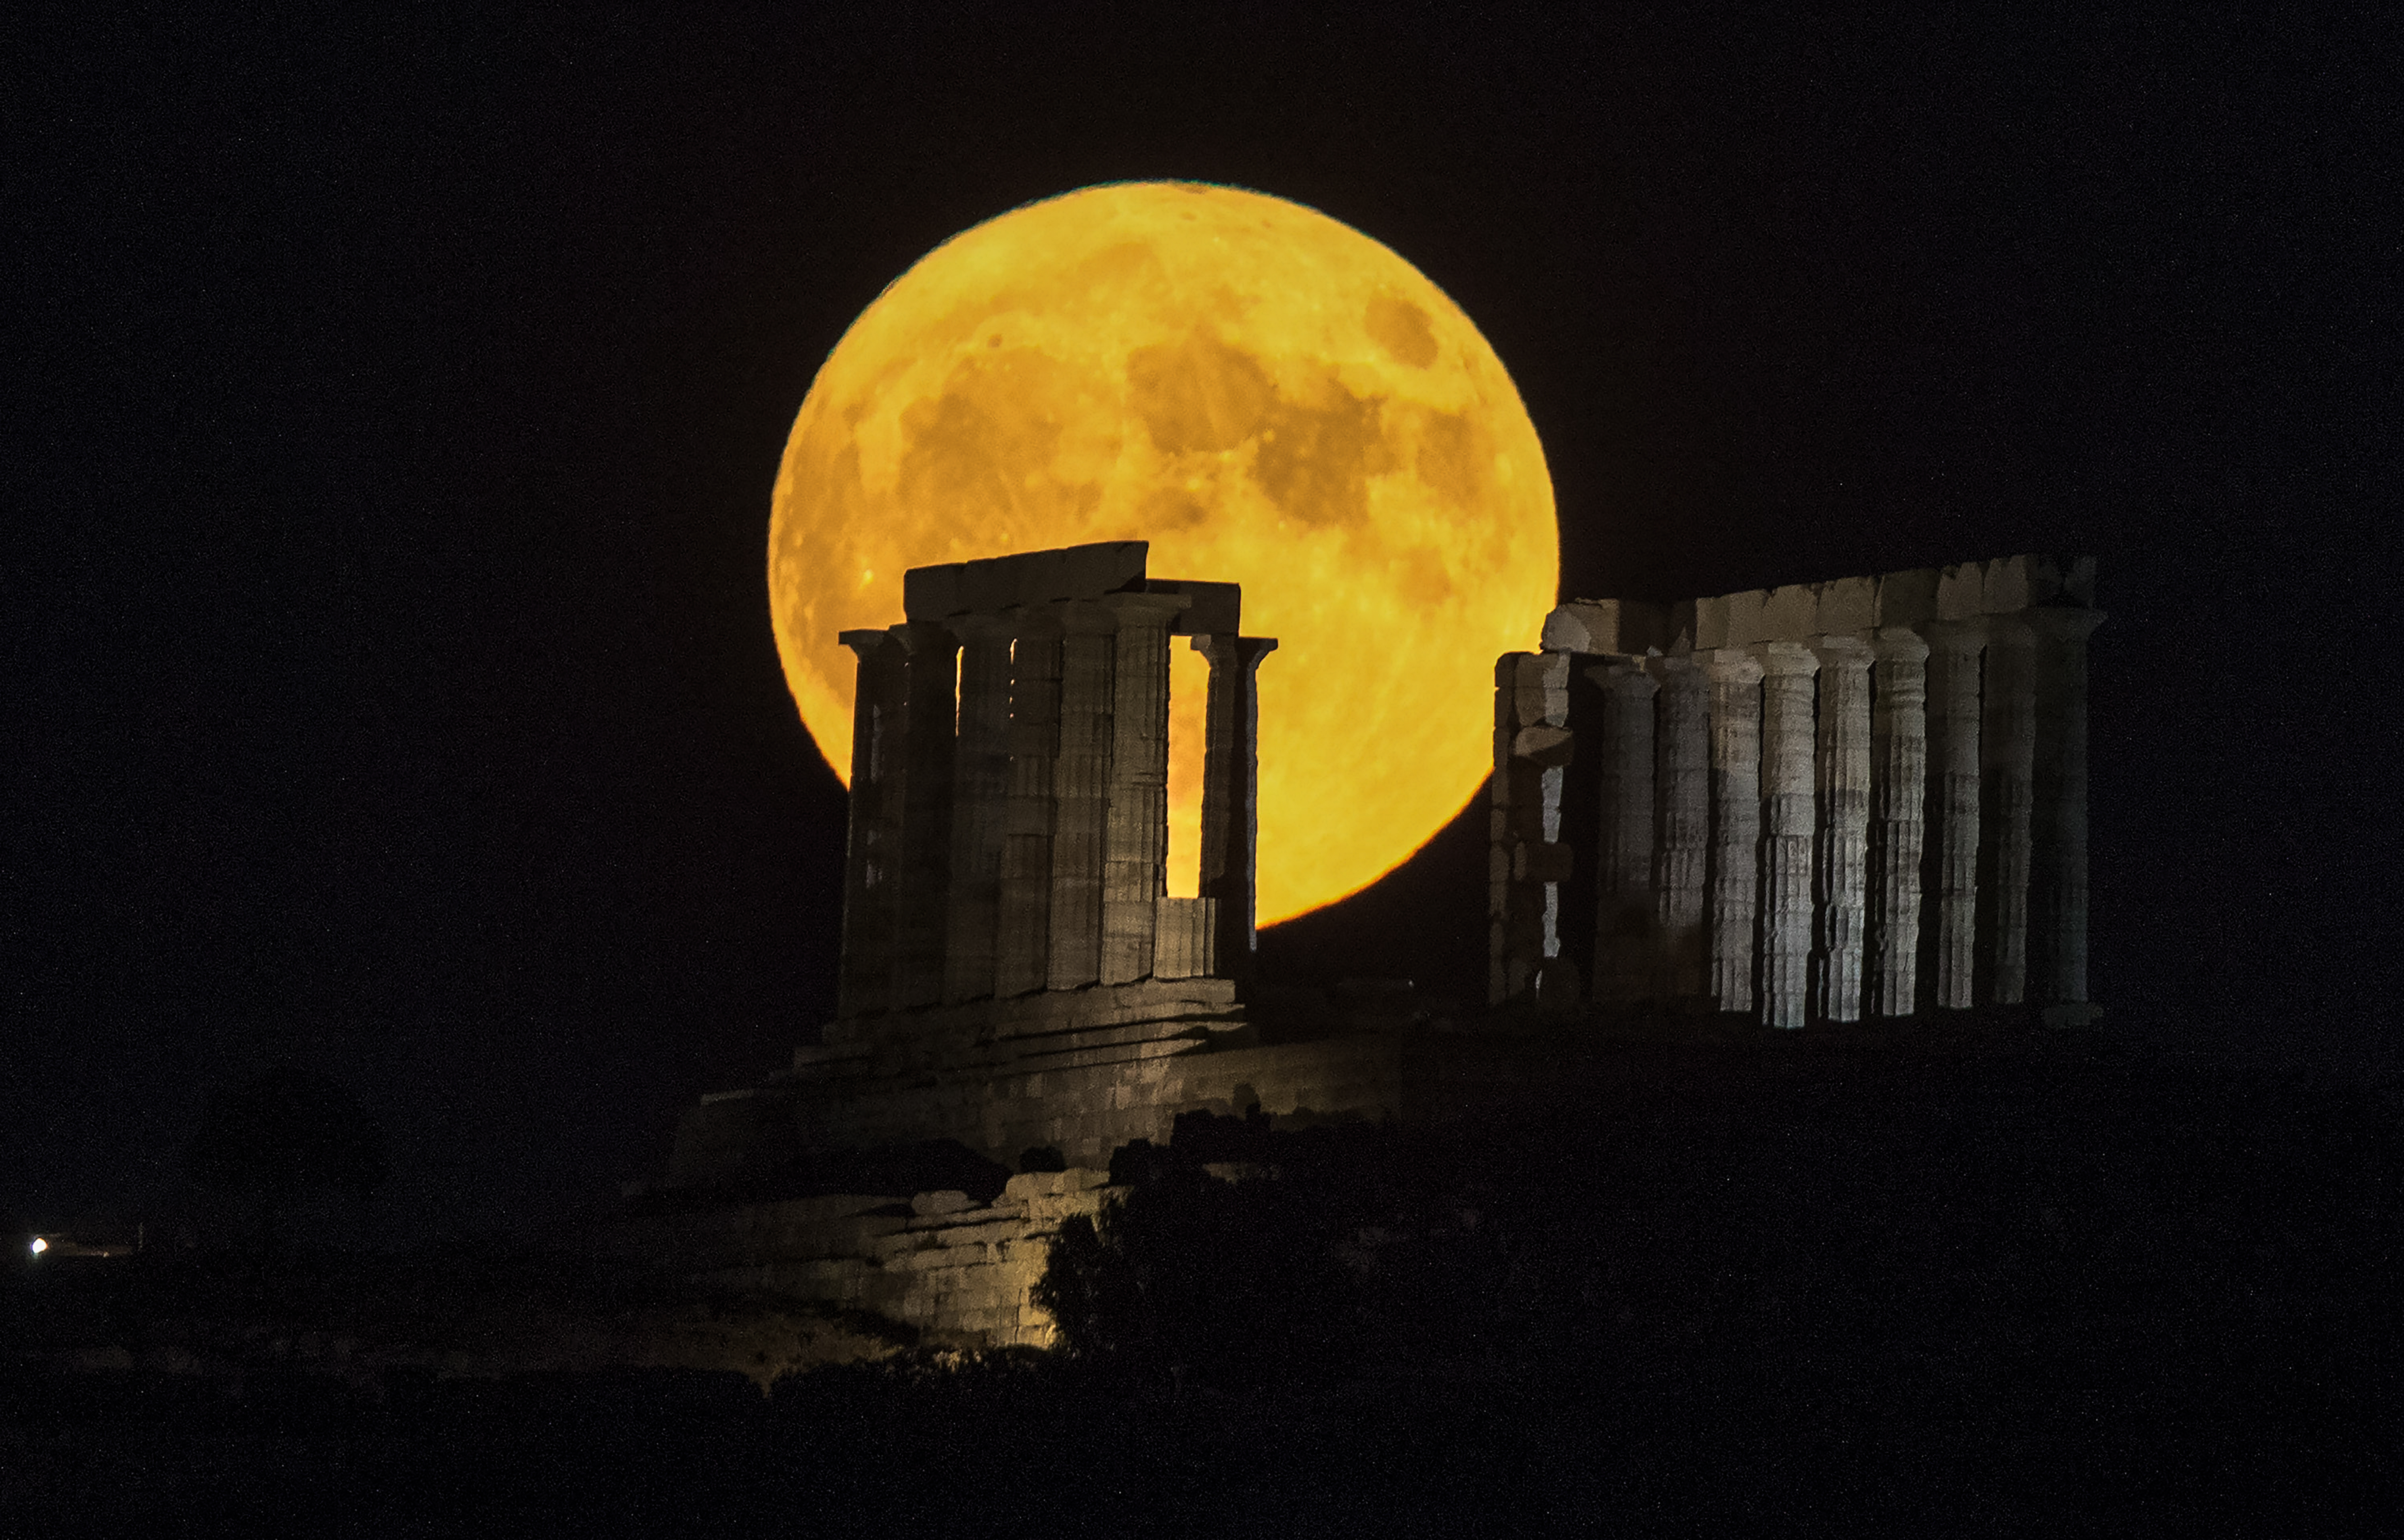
pixel 1023 929
pixel 872 854
pixel 1624 906
pixel 2007 754
pixel 1135 849
pixel 1682 856
pixel 980 806
pixel 1080 789
pixel 1898 800
pixel 1788 821
pixel 1841 884
pixel 2058 939
pixel 1950 880
pixel 926 813
pixel 1736 824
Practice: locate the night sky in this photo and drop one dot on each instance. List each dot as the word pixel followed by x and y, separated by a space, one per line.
pixel 392 415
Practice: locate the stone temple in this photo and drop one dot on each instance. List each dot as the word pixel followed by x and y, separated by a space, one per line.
pixel 1820 805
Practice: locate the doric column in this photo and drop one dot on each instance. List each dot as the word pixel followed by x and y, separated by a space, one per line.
pixel 872 853
pixel 1898 800
pixel 2058 900
pixel 1736 823
pixel 1023 929
pixel 1682 780
pixel 1080 789
pixel 1840 886
pixel 2006 756
pixel 1231 766
pixel 1135 847
pixel 980 805
pixel 926 813
pixel 1787 824
pixel 1950 875
pixel 1624 908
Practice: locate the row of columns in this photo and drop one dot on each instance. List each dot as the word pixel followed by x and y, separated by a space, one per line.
pixel 1009 802
pixel 1857 824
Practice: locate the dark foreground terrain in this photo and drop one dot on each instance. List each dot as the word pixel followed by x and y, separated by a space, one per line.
pixel 1787 1286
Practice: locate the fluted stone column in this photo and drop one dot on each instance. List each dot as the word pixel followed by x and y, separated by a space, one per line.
pixel 1841 880
pixel 1080 789
pixel 871 852
pixel 1736 824
pixel 1023 929
pixel 2058 904
pixel 1681 781
pixel 1951 871
pixel 980 806
pixel 2007 754
pixel 1135 848
pixel 925 814
pixel 1898 802
pixel 1788 818
pixel 1624 907
pixel 1231 763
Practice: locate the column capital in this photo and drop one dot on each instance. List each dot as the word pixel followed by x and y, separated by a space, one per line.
pixel 2012 630
pixel 1844 651
pixel 1624 677
pixel 1246 652
pixel 1034 621
pixel 925 635
pixel 1732 665
pixel 1154 610
pixel 1899 644
pixel 1955 637
pixel 1784 658
pixel 982 627
pixel 867 643
pixel 2064 622
pixel 1086 617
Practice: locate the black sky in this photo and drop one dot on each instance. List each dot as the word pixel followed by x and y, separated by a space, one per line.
pixel 393 410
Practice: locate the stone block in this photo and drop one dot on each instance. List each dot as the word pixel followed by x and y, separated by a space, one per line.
pixel 1606 626
pixel 1546 746
pixel 945 1202
pixel 1791 613
pixel 1213 608
pixel 1543 690
pixel 1848 604
pixel 1745 616
pixel 1961 592
pixel 1907 598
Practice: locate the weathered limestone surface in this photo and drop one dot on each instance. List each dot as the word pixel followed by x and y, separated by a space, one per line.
pixel 1789 815
pixel 2058 939
pixel 1681 858
pixel 1080 789
pixel 1735 834
pixel 1024 928
pixel 1231 793
pixel 2007 756
pixel 1135 862
pixel 925 905
pixel 1525 860
pixel 1840 889
pixel 980 806
pixel 1626 911
pixel 872 855
pixel 1950 930
pixel 1898 800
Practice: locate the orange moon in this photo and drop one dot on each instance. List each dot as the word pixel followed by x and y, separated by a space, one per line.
pixel 1267 396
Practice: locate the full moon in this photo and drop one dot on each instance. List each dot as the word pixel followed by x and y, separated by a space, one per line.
pixel 1267 396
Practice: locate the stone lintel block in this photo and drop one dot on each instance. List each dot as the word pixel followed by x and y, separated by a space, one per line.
pixel 1848 604
pixel 1211 610
pixel 1633 627
pixel 1907 598
pixel 1027 578
pixel 1790 614
pixel 1543 689
pixel 1546 746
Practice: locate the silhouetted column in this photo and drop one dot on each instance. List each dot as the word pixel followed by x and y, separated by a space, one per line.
pixel 872 853
pixel 1736 823
pixel 1841 884
pixel 1951 871
pixel 1023 929
pixel 2006 754
pixel 925 814
pixel 1898 800
pixel 1134 851
pixel 1231 791
pixel 1681 781
pixel 1788 817
pixel 980 806
pixel 1624 907
pixel 1080 789
pixel 2058 921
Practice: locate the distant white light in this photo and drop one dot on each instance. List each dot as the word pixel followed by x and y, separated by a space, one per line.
pixel 41 1245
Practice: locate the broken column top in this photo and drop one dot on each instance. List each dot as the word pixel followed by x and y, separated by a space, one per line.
pixel 1800 610
pixel 1070 572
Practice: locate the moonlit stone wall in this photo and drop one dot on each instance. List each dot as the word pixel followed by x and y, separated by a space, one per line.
pixel 1864 798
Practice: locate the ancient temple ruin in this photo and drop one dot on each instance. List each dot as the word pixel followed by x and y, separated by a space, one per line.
pixel 1817 803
